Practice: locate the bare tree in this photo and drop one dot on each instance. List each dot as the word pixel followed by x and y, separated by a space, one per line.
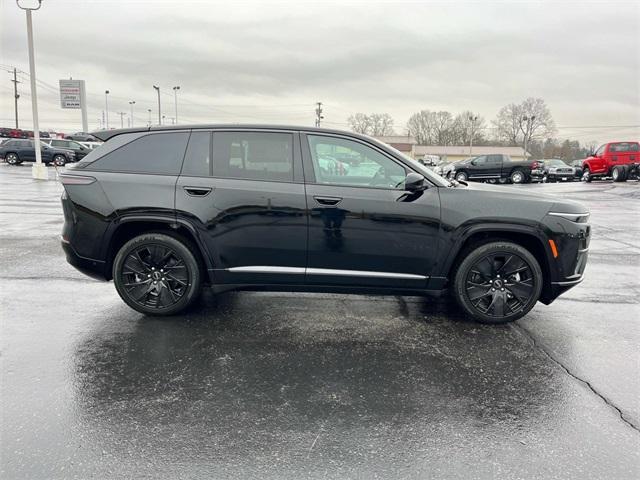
pixel 376 124
pixel 467 126
pixel 507 124
pixel 419 126
pixel 359 123
pixel 519 124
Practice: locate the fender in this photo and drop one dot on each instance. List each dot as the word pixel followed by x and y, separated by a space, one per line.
pixel 462 233
pixel 170 219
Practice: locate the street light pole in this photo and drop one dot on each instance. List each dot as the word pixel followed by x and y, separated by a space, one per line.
pixel 132 103
pixel 15 92
pixel 39 170
pixel 175 98
pixel 106 105
pixel 159 109
pixel 149 110
pixel 526 133
pixel 473 119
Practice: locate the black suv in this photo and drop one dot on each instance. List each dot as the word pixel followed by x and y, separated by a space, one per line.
pixel 163 211
pixel 15 151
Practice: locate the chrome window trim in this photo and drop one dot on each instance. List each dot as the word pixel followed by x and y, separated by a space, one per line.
pixel 565 215
pixel 323 271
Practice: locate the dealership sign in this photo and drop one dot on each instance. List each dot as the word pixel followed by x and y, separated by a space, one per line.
pixel 72 93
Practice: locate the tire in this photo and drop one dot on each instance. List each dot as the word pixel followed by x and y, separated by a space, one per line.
pixel 461 176
pixel 154 255
pixel 488 292
pixel 59 160
pixel 586 176
pixel 545 179
pixel 12 159
pixel 517 176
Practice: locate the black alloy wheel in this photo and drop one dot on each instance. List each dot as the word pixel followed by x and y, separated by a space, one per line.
pixel 498 282
pixel 157 274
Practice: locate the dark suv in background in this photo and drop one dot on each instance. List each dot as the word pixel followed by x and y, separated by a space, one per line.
pixel 163 211
pixel 16 151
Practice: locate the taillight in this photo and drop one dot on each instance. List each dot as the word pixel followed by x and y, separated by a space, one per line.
pixel 534 165
pixel 76 179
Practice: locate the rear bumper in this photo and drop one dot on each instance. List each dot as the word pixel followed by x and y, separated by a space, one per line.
pixel 90 267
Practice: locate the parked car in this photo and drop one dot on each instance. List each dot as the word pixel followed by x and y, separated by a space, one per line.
pixel 91 145
pixel 577 165
pixel 552 170
pixel 76 147
pixel 163 211
pixel 618 160
pixel 496 167
pixel 81 137
pixel 330 165
pixel 14 152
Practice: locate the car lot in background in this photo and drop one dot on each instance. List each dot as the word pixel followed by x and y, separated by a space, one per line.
pixel 81 137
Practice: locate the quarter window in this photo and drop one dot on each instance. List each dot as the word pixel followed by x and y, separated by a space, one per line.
pixel 253 156
pixel 197 160
pixel 338 161
pixel 158 153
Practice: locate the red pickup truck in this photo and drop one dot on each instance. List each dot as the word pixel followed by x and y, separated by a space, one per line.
pixel 618 160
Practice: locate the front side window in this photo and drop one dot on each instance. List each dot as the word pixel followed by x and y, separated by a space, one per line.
pixel 600 151
pixel 253 156
pixel 157 153
pixel 494 159
pixel 480 160
pixel 366 167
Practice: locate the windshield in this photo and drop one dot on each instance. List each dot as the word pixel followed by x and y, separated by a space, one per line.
pixel 556 163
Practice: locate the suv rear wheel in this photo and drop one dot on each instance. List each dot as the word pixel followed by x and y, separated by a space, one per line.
pixel 157 274
pixel 498 282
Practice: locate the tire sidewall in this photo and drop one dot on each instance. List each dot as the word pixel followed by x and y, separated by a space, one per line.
pixel 14 159
pixel 461 176
pixel 58 163
pixel 181 247
pixel 459 290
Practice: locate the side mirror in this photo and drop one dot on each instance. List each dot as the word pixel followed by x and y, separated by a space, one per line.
pixel 414 182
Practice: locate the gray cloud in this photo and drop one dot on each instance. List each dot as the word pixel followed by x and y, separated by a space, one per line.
pixel 278 58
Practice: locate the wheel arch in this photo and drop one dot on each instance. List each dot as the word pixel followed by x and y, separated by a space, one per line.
pixel 132 226
pixel 523 235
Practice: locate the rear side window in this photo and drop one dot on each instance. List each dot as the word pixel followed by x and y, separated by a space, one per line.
pixel 623 147
pixel 253 156
pixel 158 153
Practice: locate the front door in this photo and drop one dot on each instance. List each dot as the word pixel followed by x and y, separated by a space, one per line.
pixel 364 228
pixel 244 191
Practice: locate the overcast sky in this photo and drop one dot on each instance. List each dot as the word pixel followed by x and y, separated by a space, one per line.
pixel 271 61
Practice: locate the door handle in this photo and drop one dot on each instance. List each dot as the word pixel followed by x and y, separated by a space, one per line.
pixel 327 201
pixel 197 191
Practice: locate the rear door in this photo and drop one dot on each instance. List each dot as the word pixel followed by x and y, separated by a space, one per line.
pixel 27 151
pixel 243 190
pixel 495 166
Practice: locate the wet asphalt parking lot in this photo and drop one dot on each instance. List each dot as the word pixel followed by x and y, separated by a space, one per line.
pixel 289 385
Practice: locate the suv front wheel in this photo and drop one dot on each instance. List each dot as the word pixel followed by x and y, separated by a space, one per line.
pixel 498 282
pixel 157 274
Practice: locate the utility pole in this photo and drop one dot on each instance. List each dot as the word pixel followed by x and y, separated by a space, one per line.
pixel 319 116
pixel 473 119
pixel 122 114
pixel 131 104
pixel 15 92
pixel 175 98
pixel 102 124
pixel 159 109
pixel 106 105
